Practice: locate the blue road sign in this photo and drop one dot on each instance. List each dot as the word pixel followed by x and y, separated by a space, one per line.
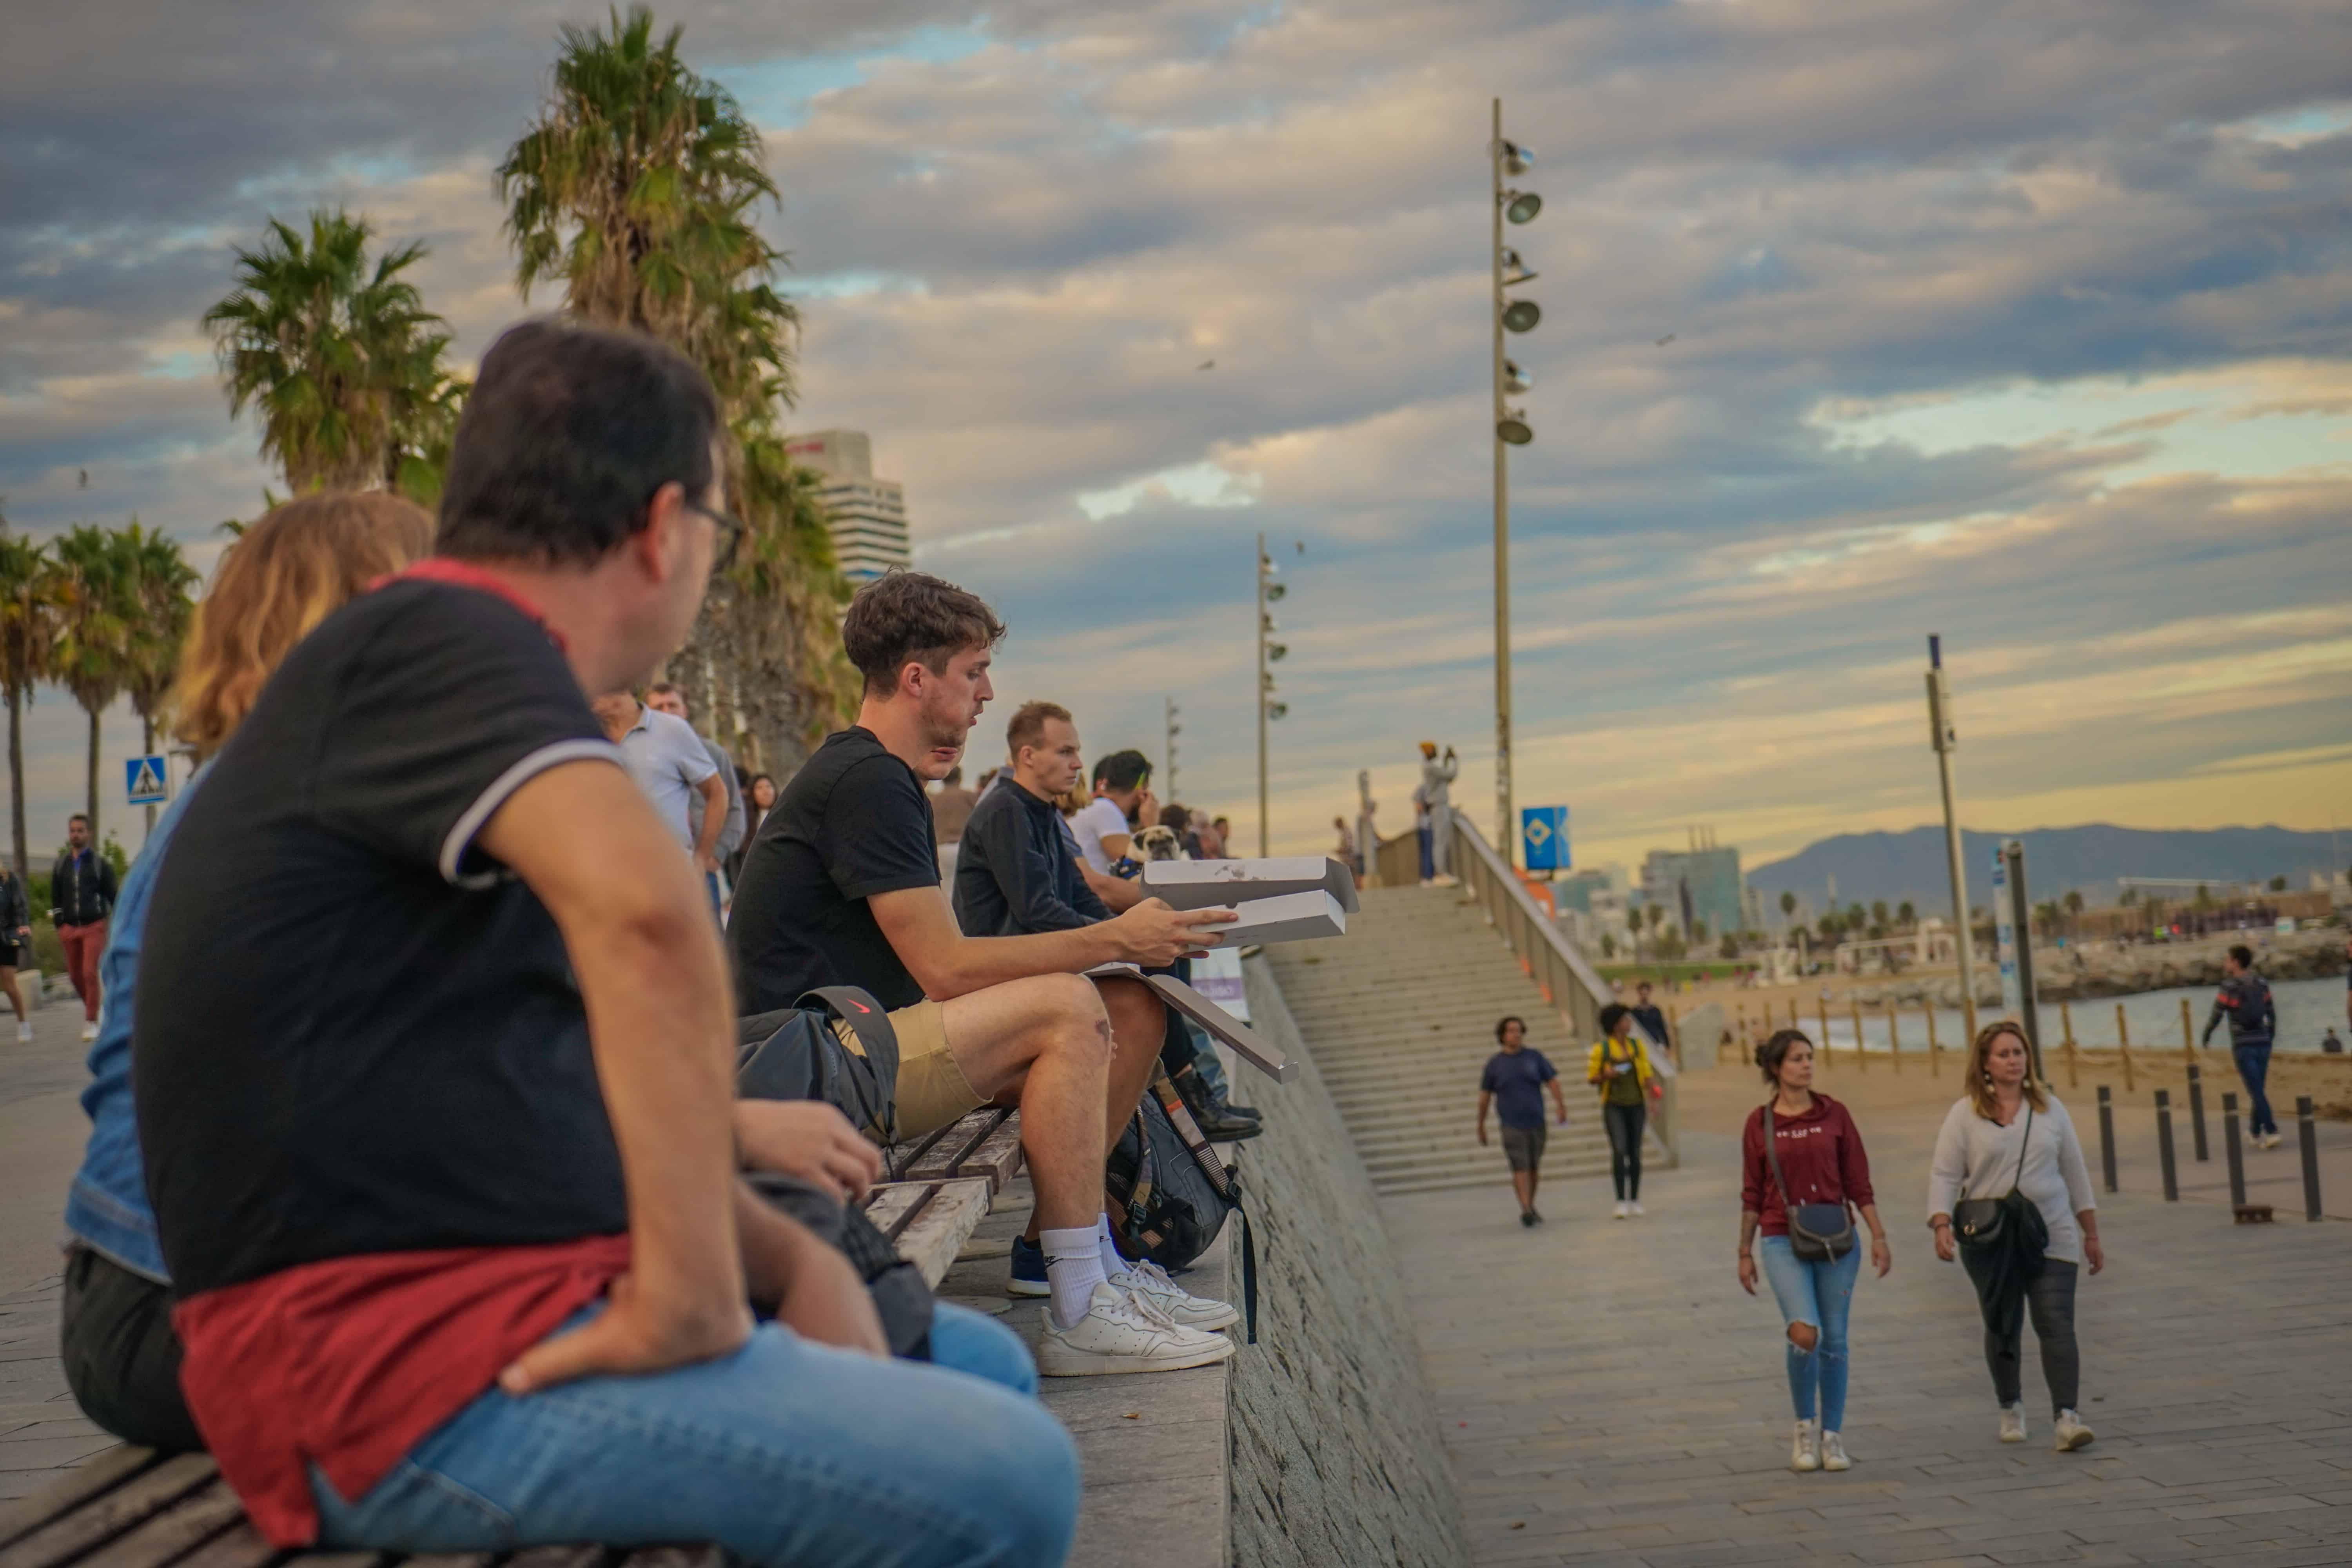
pixel 142 780
pixel 1543 837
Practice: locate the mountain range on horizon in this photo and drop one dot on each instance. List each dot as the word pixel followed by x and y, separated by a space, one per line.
pixel 2089 859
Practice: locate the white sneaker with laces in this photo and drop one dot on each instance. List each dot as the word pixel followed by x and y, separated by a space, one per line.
pixel 1834 1453
pixel 1120 1333
pixel 1150 1282
pixel 2072 1432
pixel 25 1034
pixel 1805 1451
pixel 2012 1423
pixel 89 1032
pixel 1637 1209
pixel 2271 1140
pixel 1619 1211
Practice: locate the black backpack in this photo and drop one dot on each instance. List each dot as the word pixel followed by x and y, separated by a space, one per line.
pixel 797 1053
pixel 1173 1192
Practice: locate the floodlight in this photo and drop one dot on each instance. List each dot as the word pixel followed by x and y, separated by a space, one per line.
pixel 1515 379
pixel 1277 709
pixel 1521 315
pixel 1518 159
pixel 1274 591
pixel 1514 429
pixel 1521 206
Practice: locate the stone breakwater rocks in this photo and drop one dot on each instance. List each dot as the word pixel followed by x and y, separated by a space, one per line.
pixel 2104 969
pixel 1337 1456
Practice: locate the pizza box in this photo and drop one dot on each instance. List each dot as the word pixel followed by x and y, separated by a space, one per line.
pixel 1290 917
pixel 1247 1044
pixel 1197 884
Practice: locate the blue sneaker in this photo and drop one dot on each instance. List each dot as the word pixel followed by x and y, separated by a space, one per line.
pixel 1028 1277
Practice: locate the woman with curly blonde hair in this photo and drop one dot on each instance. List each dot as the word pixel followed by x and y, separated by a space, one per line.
pixel 288 573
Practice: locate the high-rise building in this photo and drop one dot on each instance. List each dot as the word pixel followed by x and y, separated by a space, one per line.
pixel 1708 873
pixel 868 516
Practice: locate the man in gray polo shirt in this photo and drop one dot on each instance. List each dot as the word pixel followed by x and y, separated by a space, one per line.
pixel 667 759
pixel 663 697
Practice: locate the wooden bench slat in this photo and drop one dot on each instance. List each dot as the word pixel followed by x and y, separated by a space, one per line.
pixel 241 1546
pixel 892 1204
pixel 111 1514
pixel 967 1135
pixel 897 1157
pixel 186 1525
pixel 999 1155
pixel 942 1226
pixel 109 1470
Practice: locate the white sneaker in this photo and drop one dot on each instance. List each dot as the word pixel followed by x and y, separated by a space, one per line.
pixel 1834 1453
pixel 1805 1451
pixel 25 1034
pixel 1119 1333
pixel 2072 1432
pixel 2271 1140
pixel 89 1032
pixel 1638 1211
pixel 1179 1306
pixel 2012 1423
pixel 1620 1211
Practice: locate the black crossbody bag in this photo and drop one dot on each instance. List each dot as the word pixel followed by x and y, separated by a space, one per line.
pixel 1818 1233
pixel 2010 1220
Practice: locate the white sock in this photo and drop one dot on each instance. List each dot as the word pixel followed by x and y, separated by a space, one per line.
pixel 1073 1268
pixel 1113 1264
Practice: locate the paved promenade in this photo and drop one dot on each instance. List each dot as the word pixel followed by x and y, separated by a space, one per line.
pixel 1609 1396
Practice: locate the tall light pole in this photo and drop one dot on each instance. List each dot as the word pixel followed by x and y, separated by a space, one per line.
pixel 1946 738
pixel 1269 708
pixel 1510 429
pixel 1174 730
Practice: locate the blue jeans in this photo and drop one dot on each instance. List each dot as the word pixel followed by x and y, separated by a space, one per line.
pixel 786 1452
pixel 2254 1068
pixel 1427 836
pixel 1819 1294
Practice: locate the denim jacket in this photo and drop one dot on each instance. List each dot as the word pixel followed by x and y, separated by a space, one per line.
pixel 107 1208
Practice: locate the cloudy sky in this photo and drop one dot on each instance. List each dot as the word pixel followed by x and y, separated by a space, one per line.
pixel 2027 325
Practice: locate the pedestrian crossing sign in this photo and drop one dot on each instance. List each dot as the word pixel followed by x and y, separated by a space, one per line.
pixel 1543 837
pixel 143 779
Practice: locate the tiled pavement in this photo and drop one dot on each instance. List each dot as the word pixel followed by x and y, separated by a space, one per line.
pixel 1608 1395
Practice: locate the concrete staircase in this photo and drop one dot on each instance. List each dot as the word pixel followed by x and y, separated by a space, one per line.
pixel 1400 1016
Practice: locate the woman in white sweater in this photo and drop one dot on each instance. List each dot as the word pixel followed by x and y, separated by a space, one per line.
pixel 2009 1132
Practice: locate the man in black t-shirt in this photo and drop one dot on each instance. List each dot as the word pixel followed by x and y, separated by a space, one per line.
pixel 434 1069
pixel 842 887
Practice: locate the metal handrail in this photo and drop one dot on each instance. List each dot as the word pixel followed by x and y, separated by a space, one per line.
pixel 1567 979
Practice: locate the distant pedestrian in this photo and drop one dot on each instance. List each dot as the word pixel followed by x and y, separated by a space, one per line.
pixel 671 765
pixel 1224 831
pixel 1620 1071
pixel 952 807
pixel 1344 849
pixel 15 945
pixel 1436 777
pixel 1514 1083
pixel 2009 1177
pixel 2245 1000
pixel 1652 1020
pixel 759 799
pixel 2333 1044
pixel 1804 1170
pixel 663 697
pixel 81 895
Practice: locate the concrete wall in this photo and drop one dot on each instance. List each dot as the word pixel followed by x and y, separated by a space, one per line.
pixel 1337 1456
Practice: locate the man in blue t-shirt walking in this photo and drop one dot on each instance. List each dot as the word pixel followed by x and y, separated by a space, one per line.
pixel 1514 1082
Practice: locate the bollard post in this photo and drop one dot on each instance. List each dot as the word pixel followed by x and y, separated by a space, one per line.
pixel 2197 1112
pixel 2107 1135
pixel 1857 1007
pixel 2187 1033
pixel 2164 1146
pixel 2122 1043
pixel 2066 1019
pixel 2305 1130
pixel 1893 1036
pixel 2231 1150
pixel 1822 1053
pixel 1934 1051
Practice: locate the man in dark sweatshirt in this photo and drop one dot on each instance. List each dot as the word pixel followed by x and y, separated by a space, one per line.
pixel 81 895
pixel 2245 1000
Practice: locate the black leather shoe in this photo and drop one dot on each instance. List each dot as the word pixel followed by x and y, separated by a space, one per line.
pixel 1240 1112
pixel 1229 1130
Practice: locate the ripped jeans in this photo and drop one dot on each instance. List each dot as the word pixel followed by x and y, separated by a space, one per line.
pixel 1819 1294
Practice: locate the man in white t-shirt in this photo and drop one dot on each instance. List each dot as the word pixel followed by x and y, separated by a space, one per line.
pixel 671 765
pixel 1122 801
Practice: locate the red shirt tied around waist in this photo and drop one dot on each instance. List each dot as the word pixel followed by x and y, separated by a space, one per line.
pixel 1822 1158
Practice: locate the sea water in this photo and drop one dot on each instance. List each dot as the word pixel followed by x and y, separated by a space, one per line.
pixel 2305 1009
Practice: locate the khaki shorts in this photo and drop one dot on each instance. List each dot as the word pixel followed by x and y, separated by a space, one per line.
pixel 933 1091
pixel 1523 1146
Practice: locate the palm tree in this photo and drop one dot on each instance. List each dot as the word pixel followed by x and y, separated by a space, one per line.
pixel 1787 905
pixel 1906 914
pixel 28 618
pixel 636 188
pixel 338 353
pixel 159 581
pixel 94 633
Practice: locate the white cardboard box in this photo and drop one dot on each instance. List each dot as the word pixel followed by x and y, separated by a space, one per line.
pixel 1198 884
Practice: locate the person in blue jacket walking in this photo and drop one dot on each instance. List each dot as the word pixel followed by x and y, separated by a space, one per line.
pixel 2245 1000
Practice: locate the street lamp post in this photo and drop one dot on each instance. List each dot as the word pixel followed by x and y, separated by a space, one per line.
pixel 1174 730
pixel 1946 738
pixel 1510 429
pixel 1268 707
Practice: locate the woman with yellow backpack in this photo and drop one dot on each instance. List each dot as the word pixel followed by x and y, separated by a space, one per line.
pixel 1619 1070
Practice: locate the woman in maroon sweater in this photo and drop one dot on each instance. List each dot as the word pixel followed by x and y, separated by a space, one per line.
pixel 1820 1162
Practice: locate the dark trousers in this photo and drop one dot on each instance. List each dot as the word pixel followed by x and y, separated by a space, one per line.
pixel 1625 1124
pixel 2050 1303
pixel 2254 1070
pixel 123 1360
